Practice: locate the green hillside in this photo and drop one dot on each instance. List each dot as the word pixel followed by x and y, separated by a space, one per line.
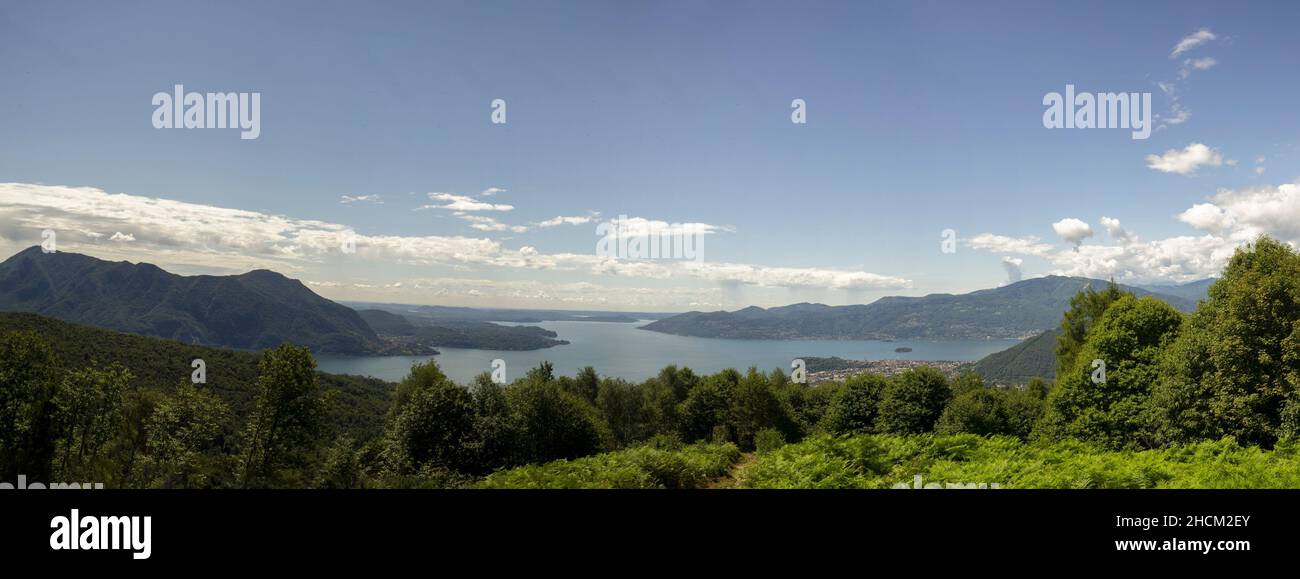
pixel 1032 358
pixel 157 364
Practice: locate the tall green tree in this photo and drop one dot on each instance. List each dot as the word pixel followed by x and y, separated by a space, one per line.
pixel 1235 370
pixel 29 379
pixel 628 410
pixel 1104 397
pixel 88 402
pixel 287 417
pixel 857 406
pixel 436 429
pixel 755 406
pixel 183 435
pixel 554 423
pixel 1086 307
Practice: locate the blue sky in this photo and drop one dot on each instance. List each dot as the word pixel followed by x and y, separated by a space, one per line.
pixel 922 116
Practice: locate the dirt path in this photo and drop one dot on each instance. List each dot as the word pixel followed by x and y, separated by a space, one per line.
pixel 731 480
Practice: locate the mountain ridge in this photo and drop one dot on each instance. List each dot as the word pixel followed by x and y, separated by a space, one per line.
pixel 1017 310
pixel 252 311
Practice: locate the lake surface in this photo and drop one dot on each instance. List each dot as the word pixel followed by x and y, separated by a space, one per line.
pixel 622 350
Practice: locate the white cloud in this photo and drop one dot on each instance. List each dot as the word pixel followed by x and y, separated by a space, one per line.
pixel 1072 230
pixel 1177 115
pixel 1012 265
pixel 1206 216
pixel 1202 63
pixel 194 236
pixel 571 220
pixel 485 223
pixel 1229 219
pixel 1185 161
pixel 639 227
pixel 464 203
pixel 1192 41
pixel 1117 231
pixel 490 191
pixel 348 199
pixel 1247 213
pixel 119 236
pixel 1029 245
pixel 790 276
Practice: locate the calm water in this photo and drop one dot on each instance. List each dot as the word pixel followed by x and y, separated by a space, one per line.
pixel 622 350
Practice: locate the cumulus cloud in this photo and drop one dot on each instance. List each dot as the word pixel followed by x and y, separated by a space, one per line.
pixel 1117 231
pixel 1191 41
pixel 490 191
pixel 1228 219
pixel 1185 161
pixel 1247 213
pixel 1206 216
pixel 1012 265
pixel 349 199
pixel 1072 230
pixel 119 236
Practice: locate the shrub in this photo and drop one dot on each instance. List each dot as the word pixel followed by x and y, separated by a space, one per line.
pixel 913 401
pixel 856 407
pixel 554 424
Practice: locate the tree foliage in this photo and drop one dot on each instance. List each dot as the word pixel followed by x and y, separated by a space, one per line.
pixel 1111 407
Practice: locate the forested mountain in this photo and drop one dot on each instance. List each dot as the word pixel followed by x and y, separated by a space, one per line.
pixel 1016 310
pixel 459 334
pixel 255 310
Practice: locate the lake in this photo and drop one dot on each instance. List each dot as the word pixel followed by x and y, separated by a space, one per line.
pixel 622 350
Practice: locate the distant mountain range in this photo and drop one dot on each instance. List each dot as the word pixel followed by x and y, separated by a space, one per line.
pixel 519 316
pixel 252 311
pixel 1017 310
pixel 1193 290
